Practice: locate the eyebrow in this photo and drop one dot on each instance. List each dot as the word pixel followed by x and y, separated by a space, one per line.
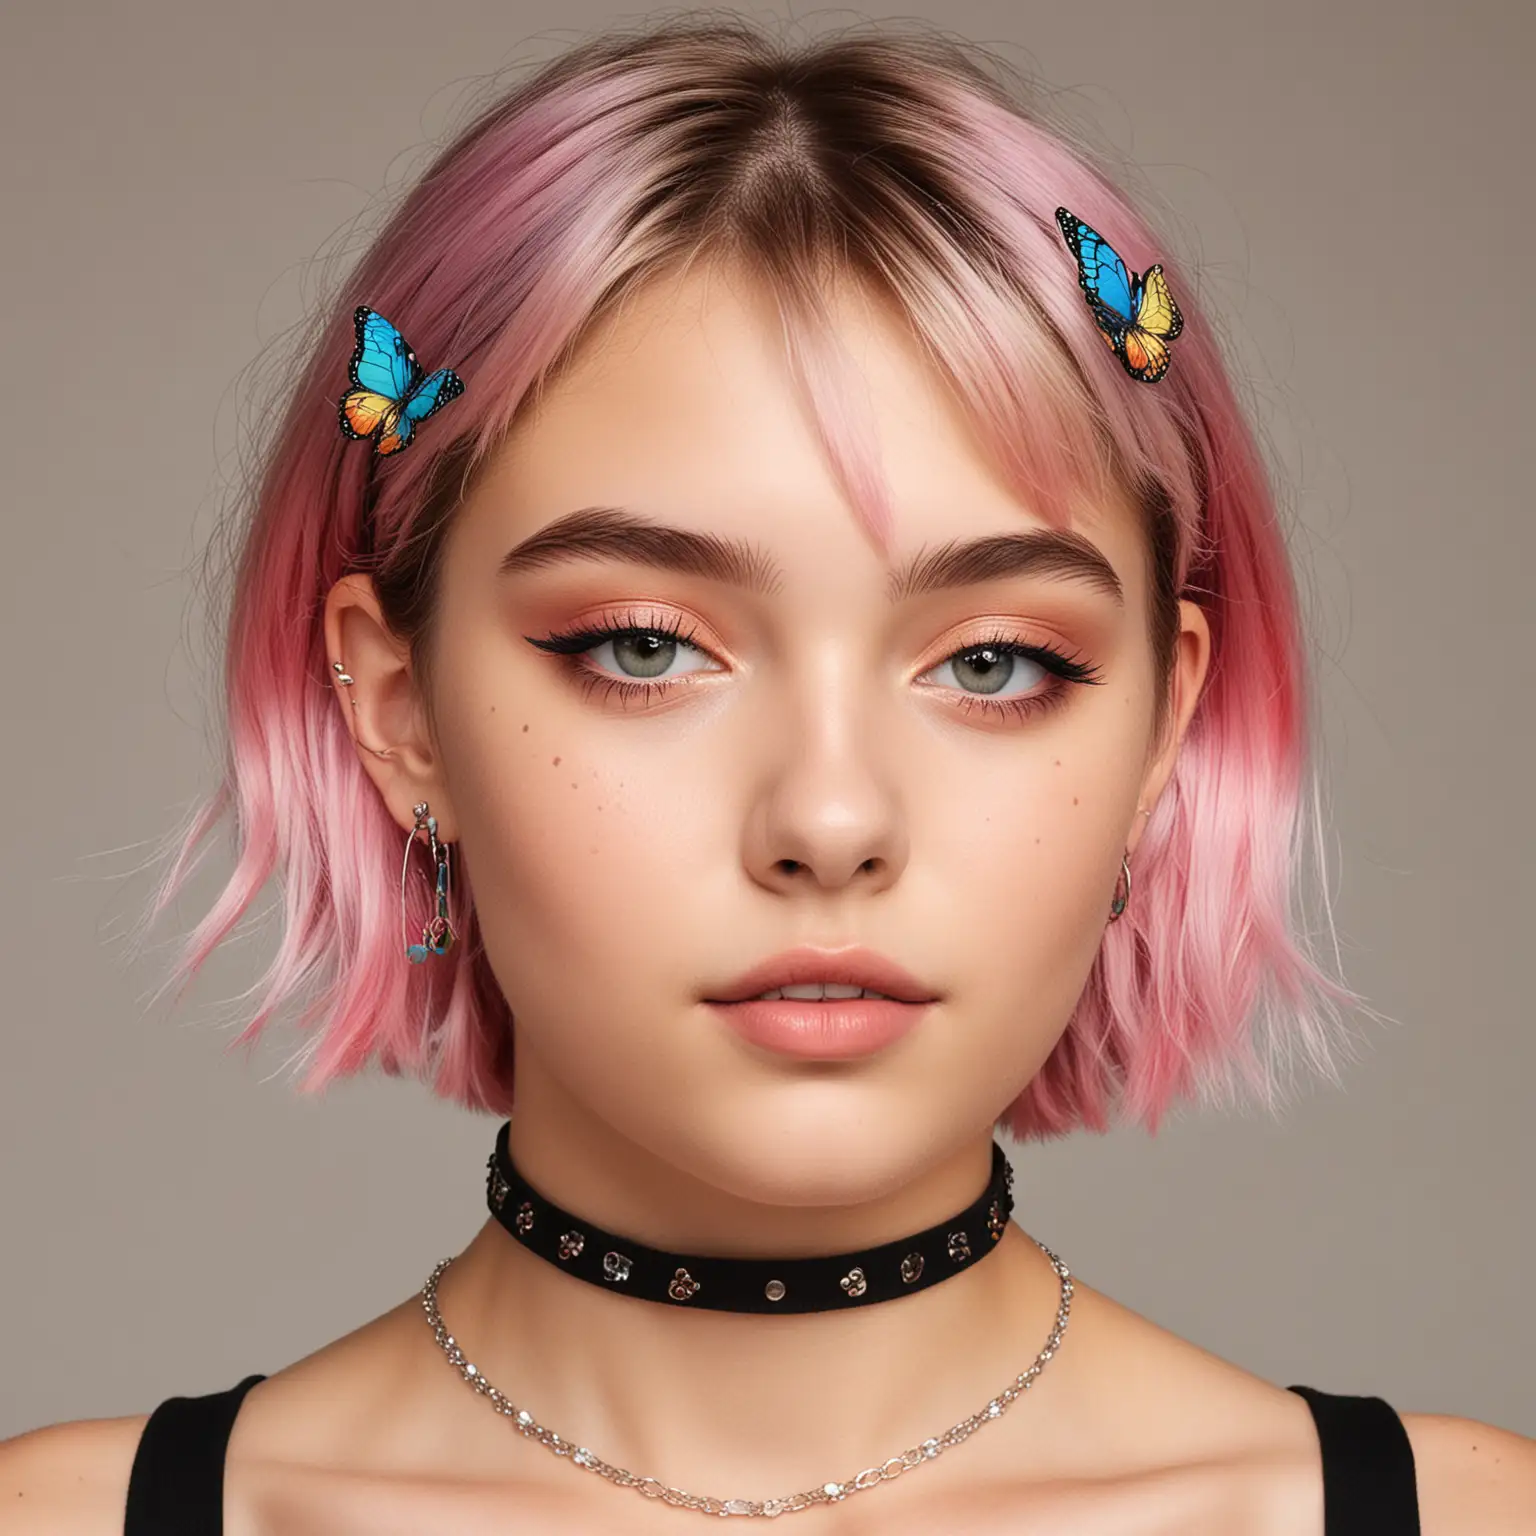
pixel 618 533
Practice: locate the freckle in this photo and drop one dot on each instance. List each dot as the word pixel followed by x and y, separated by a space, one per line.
pixel 573 783
pixel 1037 842
pixel 1074 799
pixel 525 730
pixel 1058 762
pixel 557 762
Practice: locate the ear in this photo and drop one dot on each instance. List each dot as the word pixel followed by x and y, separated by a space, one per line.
pixel 382 707
pixel 1191 661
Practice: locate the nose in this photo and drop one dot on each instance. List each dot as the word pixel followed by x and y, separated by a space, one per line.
pixel 827 809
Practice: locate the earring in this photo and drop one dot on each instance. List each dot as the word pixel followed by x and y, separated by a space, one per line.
pixel 437 934
pixel 345 679
pixel 1117 906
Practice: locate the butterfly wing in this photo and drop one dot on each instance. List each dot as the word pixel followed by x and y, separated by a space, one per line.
pixel 395 433
pixel 430 395
pixel 1156 312
pixel 1145 355
pixel 363 412
pixel 381 361
pixel 433 393
pixel 1100 271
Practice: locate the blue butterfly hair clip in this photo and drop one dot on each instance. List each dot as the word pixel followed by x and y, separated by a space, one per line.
pixel 1136 315
pixel 389 393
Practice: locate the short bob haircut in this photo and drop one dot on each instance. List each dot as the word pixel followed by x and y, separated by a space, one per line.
pixel 900 160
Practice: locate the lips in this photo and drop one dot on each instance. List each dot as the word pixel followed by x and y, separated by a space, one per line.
pixel 849 967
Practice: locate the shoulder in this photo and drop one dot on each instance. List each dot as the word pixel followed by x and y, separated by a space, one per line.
pixel 1473 1479
pixel 1178 1405
pixel 68 1479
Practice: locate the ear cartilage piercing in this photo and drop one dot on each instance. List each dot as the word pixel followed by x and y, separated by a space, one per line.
pixel 346 680
pixel 437 935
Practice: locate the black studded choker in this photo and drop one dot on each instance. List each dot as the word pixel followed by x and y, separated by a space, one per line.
pixel 840 1280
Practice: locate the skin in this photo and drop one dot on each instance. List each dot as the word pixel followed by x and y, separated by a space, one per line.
pixel 628 857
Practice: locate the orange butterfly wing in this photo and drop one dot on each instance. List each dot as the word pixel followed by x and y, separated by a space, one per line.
pixel 1146 355
pixel 363 411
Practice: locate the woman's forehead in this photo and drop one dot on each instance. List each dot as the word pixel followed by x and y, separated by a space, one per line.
pixel 682 407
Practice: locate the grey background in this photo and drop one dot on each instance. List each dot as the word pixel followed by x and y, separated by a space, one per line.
pixel 1353 180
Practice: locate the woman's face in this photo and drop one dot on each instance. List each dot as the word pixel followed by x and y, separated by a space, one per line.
pixel 817 763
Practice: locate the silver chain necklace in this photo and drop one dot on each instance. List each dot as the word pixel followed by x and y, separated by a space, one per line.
pixel 828 1493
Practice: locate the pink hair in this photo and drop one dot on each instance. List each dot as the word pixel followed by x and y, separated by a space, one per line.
pixel 898 160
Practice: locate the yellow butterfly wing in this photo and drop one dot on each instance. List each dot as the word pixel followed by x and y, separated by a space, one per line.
pixel 1158 314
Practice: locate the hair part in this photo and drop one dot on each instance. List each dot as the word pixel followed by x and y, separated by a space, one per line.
pixel 898 162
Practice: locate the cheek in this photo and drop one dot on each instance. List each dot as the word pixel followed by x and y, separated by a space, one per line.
pixel 1028 866
pixel 582 869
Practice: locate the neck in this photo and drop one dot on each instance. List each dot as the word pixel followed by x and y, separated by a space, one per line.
pixel 739 1403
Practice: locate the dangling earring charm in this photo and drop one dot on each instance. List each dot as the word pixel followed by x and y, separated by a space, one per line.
pixel 437 934
pixel 1117 906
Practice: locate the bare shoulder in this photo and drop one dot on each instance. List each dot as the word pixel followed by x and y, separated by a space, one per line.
pixel 71 1479
pixel 1474 1479
pixel 68 1479
pixel 1250 1446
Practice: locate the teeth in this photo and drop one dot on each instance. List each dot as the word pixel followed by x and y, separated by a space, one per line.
pixel 815 991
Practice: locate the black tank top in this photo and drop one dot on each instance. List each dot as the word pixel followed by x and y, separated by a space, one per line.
pixel 177 1484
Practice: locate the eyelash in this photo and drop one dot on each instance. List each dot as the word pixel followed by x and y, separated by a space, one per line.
pixel 570 645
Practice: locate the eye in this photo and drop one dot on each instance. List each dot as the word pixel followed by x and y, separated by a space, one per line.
pixel 643 655
pixel 640 649
pixel 985 671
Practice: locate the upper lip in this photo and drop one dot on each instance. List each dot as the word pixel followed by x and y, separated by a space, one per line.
pixel 853 967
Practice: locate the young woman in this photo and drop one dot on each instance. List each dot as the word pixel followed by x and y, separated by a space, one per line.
pixel 811 551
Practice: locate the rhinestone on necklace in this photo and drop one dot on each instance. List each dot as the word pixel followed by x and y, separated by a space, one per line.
pixel 707 1504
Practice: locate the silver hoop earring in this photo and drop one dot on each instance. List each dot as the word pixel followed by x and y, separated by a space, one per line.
pixel 1117 906
pixel 437 934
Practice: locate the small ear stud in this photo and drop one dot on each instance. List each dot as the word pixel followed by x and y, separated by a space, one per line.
pixel 342 675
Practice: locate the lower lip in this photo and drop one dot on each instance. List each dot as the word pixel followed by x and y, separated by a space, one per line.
pixel 837 1029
